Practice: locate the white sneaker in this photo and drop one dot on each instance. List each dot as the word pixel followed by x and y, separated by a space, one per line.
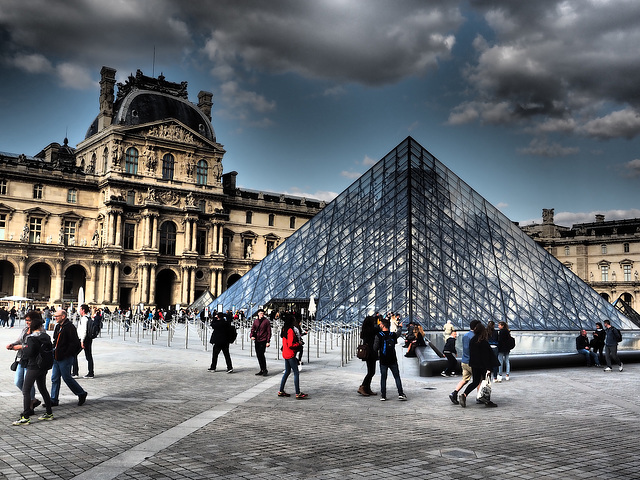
pixel 608 369
pixel 620 366
pixel 507 378
pixel 499 379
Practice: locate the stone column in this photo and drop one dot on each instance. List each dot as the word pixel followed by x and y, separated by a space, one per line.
pixel 154 232
pixel 101 283
pixel 219 247
pixel 152 285
pixel 185 286
pixel 118 217
pixel 192 285
pixel 92 286
pixel 147 231
pixel 219 287
pixel 144 295
pixel 194 236
pixel 108 282
pixel 213 281
pixel 187 235
pixel 57 283
pixel 20 280
pixel 111 230
pixel 116 283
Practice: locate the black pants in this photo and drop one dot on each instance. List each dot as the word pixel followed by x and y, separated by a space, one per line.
pixel 261 348
pixel 371 371
pixel 224 348
pixel 452 366
pixel 39 377
pixel 88 353
pixel 477 377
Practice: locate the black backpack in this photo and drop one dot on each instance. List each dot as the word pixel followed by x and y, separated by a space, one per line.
pixel 232 333
pixel 96 326
pixel 44 359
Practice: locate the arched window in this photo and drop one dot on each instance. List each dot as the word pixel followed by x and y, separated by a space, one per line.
pixel 201 172
pixel 131 161
pixel 167 167
pixel 168 238
pixel 603 248
pixel 105 159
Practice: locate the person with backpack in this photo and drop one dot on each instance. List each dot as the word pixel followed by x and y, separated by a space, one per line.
pixel 611 340
pixel 506 343
pixel 261 334
pixel 85 333
pixel 222 335
pixel 385 346
pixel 368 335
pixel 37 358
pixel 289 348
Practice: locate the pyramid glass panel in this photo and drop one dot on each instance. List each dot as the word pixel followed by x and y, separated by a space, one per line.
pixel 411 237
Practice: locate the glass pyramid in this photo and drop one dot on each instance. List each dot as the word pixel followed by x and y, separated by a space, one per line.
pixel 411 237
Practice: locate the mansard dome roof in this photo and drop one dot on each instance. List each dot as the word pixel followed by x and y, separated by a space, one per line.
pixel 142 100
pixel 144 106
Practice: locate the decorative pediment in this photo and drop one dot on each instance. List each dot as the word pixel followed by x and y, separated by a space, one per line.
pixel 37 212
pixel 7 210
pixel 626 261
pixel 248 234
pixel 72 216
pixel 272 237
pixel 172 131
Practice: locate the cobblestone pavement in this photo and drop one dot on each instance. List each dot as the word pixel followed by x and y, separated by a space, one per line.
pixel 155 412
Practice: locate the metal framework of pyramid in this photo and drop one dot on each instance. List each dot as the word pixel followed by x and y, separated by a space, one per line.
pixel 411 237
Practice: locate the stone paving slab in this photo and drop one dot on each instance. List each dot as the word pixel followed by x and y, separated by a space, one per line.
pixel 155 412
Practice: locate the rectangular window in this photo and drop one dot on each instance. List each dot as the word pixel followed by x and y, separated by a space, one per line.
pixel 72 195
pixel 627 272
pixel 37 192
pixel 604 270
pixel 3 187
pixel 35 230
pixel 270 246
pixel 131 197
pixel 604 249
pixel 128 240
pixel 70 233
pixel 626 248
pixel 201 241
pixel 249 217
pixel 292 222
pixel 3 224
pixel 272 219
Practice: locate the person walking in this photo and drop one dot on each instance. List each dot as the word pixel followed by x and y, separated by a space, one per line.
pixel 85 333
pixel 66 346
pixel 36 341
pixel 368 334
pixel 289 348
pixel 220 339
pixel 385 346
pixel 464 361
pixel 20 370
pixel 505 345
pixel 450 352
pixel 481 361
pixel 611 340
pixel 261 334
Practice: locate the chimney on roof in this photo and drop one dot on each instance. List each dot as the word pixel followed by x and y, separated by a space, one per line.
pixel 205 102
pixel 107 84
pixel 599 218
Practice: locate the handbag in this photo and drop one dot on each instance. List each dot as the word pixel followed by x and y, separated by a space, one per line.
pixel 14 365
pixel 484 392
pixel 362 352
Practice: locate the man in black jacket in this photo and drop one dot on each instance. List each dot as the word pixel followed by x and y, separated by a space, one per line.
pixel 583 348
pixel 66 346
pixel 220 338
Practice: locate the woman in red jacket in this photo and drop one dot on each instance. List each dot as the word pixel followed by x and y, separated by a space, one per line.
pixel 289 348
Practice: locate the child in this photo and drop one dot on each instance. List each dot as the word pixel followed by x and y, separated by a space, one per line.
pixel 450 352
pixel 385 345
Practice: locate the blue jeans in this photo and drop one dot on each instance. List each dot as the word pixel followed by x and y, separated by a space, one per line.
pixel 19 380
pixel 503 358
pixel 383 379
pixel 591 357
pixel 291 364
pixel 62 368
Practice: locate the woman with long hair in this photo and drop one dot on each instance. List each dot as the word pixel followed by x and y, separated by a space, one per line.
pixel 290 345
pixel 368 335
pixel 481 361
pixel 504 347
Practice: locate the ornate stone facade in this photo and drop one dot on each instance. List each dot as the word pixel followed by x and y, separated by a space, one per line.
pixel 605 254
pixel 140 211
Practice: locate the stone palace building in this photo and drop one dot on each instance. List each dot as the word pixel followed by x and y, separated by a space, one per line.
pixel 605 254
pixel 141 211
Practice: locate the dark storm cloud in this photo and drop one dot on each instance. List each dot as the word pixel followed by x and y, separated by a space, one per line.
pixel 572 60
pixel 371 42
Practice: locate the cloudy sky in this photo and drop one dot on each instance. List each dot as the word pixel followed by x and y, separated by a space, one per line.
pixel 535 104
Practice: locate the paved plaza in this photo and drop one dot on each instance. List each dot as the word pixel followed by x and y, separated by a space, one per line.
pixel 155 412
